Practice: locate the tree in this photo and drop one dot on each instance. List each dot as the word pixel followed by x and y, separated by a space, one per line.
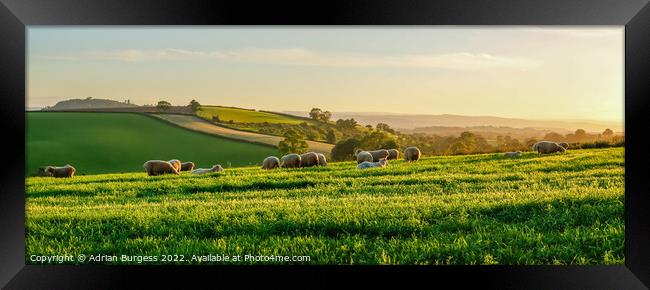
pixel 369 127
pixel 318 115
pixel 608 133
pixel 293 142
pixel 331 136
pixel 375 140
pixel 164 105
pixel 552 136
pixel 344 150
pixel 315 113
pixel 195 105
pixel 326 116
pixel 390 144
pixel 347 124
pixel 385 127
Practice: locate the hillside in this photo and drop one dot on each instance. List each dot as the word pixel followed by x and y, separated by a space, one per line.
pixel 198 124
pixel 474 209
pixel 240 115
pixel 88 103
pixel 122 142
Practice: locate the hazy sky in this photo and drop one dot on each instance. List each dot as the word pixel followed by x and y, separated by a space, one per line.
pixel 529 72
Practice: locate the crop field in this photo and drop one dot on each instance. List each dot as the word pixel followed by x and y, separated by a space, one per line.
pixel 121 142
pixel 197 124
pixel 472 209
pixel 245 116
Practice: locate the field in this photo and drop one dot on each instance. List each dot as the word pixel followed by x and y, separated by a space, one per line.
pixel 473 209
pixel 198 124
pixel 246 116
pixel 121 142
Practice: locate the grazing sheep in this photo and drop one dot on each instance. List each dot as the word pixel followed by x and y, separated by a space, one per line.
pixel 158 167
pixel 393 154
pixel 309 159
pixel 44 171
pixel 187 166
pixel 412 154
pixel 367 164
pixel 512 154
pixel 379 154
pixel 291 160
pixel 270 162
pixel 65 171
pixel 547 147
pixel 322 161
pixel 215 168
pixel 364 156
pixel 176 163
pixel 564 145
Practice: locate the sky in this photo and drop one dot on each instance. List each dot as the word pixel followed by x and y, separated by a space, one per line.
pixel 532 72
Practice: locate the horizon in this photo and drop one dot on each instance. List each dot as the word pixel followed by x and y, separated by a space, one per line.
pixel 567 73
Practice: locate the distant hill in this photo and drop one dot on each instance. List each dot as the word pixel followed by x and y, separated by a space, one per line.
pixel 406 122
pixel 488 132
pixel 88 103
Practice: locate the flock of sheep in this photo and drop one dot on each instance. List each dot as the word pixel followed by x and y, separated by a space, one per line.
pixel 365 159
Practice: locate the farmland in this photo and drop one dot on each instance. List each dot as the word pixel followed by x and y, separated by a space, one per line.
pixel 471 209
pixel 238 115
pixel 197 124
pixel 121 142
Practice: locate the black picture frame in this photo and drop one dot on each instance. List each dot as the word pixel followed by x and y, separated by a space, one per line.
pixel 15 15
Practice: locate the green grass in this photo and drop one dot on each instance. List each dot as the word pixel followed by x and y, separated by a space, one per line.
pixel 246 116
pixel 475 209
pixel 122 142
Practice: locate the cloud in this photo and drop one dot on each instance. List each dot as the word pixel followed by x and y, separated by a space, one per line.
pixel 303 57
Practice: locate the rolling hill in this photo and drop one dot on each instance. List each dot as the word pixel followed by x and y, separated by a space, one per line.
pixel 200 125
pixel 121 142
pixel 240 115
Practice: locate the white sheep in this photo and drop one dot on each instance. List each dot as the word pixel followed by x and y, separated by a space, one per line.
pixel 270 162
pixel 215 168
pixel 368 164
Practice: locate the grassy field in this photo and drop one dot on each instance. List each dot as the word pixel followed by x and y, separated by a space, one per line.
pixel 122 142
pixel 474 209
pixel 197 124
pixel 245 116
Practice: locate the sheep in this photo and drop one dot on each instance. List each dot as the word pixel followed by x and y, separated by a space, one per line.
pixel 367 164
pixel 364 156
pixel 157 167
pixel 215 168
pixel 412 154
pixel 393 154
pixel 322 161
pixel 44 171
pixel 187 166
pixel 379 154
pixel 176 163
pixel 65 171
pixel 512 154
pixel 291 160
pixel 564 145
pixel 547 147
pixel 270 162
pixel 309 159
